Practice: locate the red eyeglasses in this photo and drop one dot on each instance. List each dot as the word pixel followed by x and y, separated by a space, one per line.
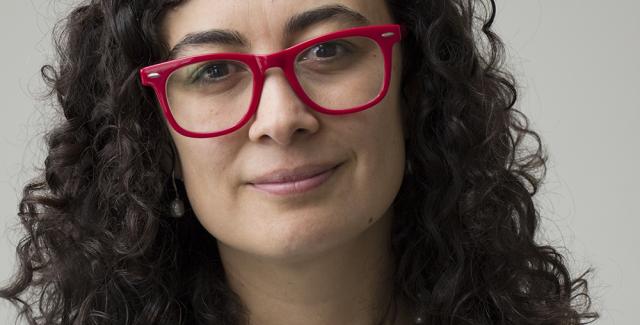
pixel 215 94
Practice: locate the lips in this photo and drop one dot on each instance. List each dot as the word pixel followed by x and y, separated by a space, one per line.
pixel 295 180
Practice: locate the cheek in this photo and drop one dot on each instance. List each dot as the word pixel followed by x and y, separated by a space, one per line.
pixel 207 170
pixel 379 135
pixel 377 141
pixel 378 132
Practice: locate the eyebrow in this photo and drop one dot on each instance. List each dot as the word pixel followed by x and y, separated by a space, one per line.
pixel 294 25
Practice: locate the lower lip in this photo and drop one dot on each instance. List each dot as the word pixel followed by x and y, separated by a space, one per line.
pixel 296 187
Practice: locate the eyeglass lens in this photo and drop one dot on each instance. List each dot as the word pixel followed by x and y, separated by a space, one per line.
pixel 339 74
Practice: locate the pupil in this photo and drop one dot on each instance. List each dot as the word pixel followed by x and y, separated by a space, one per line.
pixel 217 71
pixel 326 50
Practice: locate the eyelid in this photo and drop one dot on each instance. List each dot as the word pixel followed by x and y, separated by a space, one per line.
pixel 345 46
pixel 234 67
pixel 321 30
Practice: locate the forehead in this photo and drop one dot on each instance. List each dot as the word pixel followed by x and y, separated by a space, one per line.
pixel 265 23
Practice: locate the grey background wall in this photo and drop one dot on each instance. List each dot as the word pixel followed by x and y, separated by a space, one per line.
pixel 578 65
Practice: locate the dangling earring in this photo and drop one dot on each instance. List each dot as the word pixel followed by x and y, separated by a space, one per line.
pixel 408 168
pixel 177 206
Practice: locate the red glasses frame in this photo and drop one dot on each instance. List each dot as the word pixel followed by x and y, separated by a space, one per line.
pixel 156 75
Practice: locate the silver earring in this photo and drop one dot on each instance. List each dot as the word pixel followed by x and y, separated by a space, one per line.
pixel 177 206
pixel 408 171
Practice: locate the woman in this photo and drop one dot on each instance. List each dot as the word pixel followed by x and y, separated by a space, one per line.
pixel 287 162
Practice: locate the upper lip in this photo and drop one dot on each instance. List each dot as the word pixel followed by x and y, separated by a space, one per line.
pixel 286 175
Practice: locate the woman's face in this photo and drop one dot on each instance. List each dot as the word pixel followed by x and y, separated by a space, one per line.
pixel 222 174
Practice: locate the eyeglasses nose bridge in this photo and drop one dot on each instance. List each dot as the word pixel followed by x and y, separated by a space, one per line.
pixel 268 61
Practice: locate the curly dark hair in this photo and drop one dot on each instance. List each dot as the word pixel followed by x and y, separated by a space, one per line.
pixel 100 249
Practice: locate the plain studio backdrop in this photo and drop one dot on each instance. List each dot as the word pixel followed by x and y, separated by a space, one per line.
pixel 577 63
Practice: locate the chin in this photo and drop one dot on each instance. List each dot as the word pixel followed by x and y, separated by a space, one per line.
pixel 295 241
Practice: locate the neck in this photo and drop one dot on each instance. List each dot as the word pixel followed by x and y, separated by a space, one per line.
pixel 347 284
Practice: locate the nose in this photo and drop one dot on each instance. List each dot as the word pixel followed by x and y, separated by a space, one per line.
pixel 281 116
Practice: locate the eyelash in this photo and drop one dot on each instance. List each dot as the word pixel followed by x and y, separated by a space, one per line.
pixel 198 74
pixel 344 46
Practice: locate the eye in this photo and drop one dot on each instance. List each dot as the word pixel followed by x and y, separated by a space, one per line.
pixel 216 71
pixel 326 51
